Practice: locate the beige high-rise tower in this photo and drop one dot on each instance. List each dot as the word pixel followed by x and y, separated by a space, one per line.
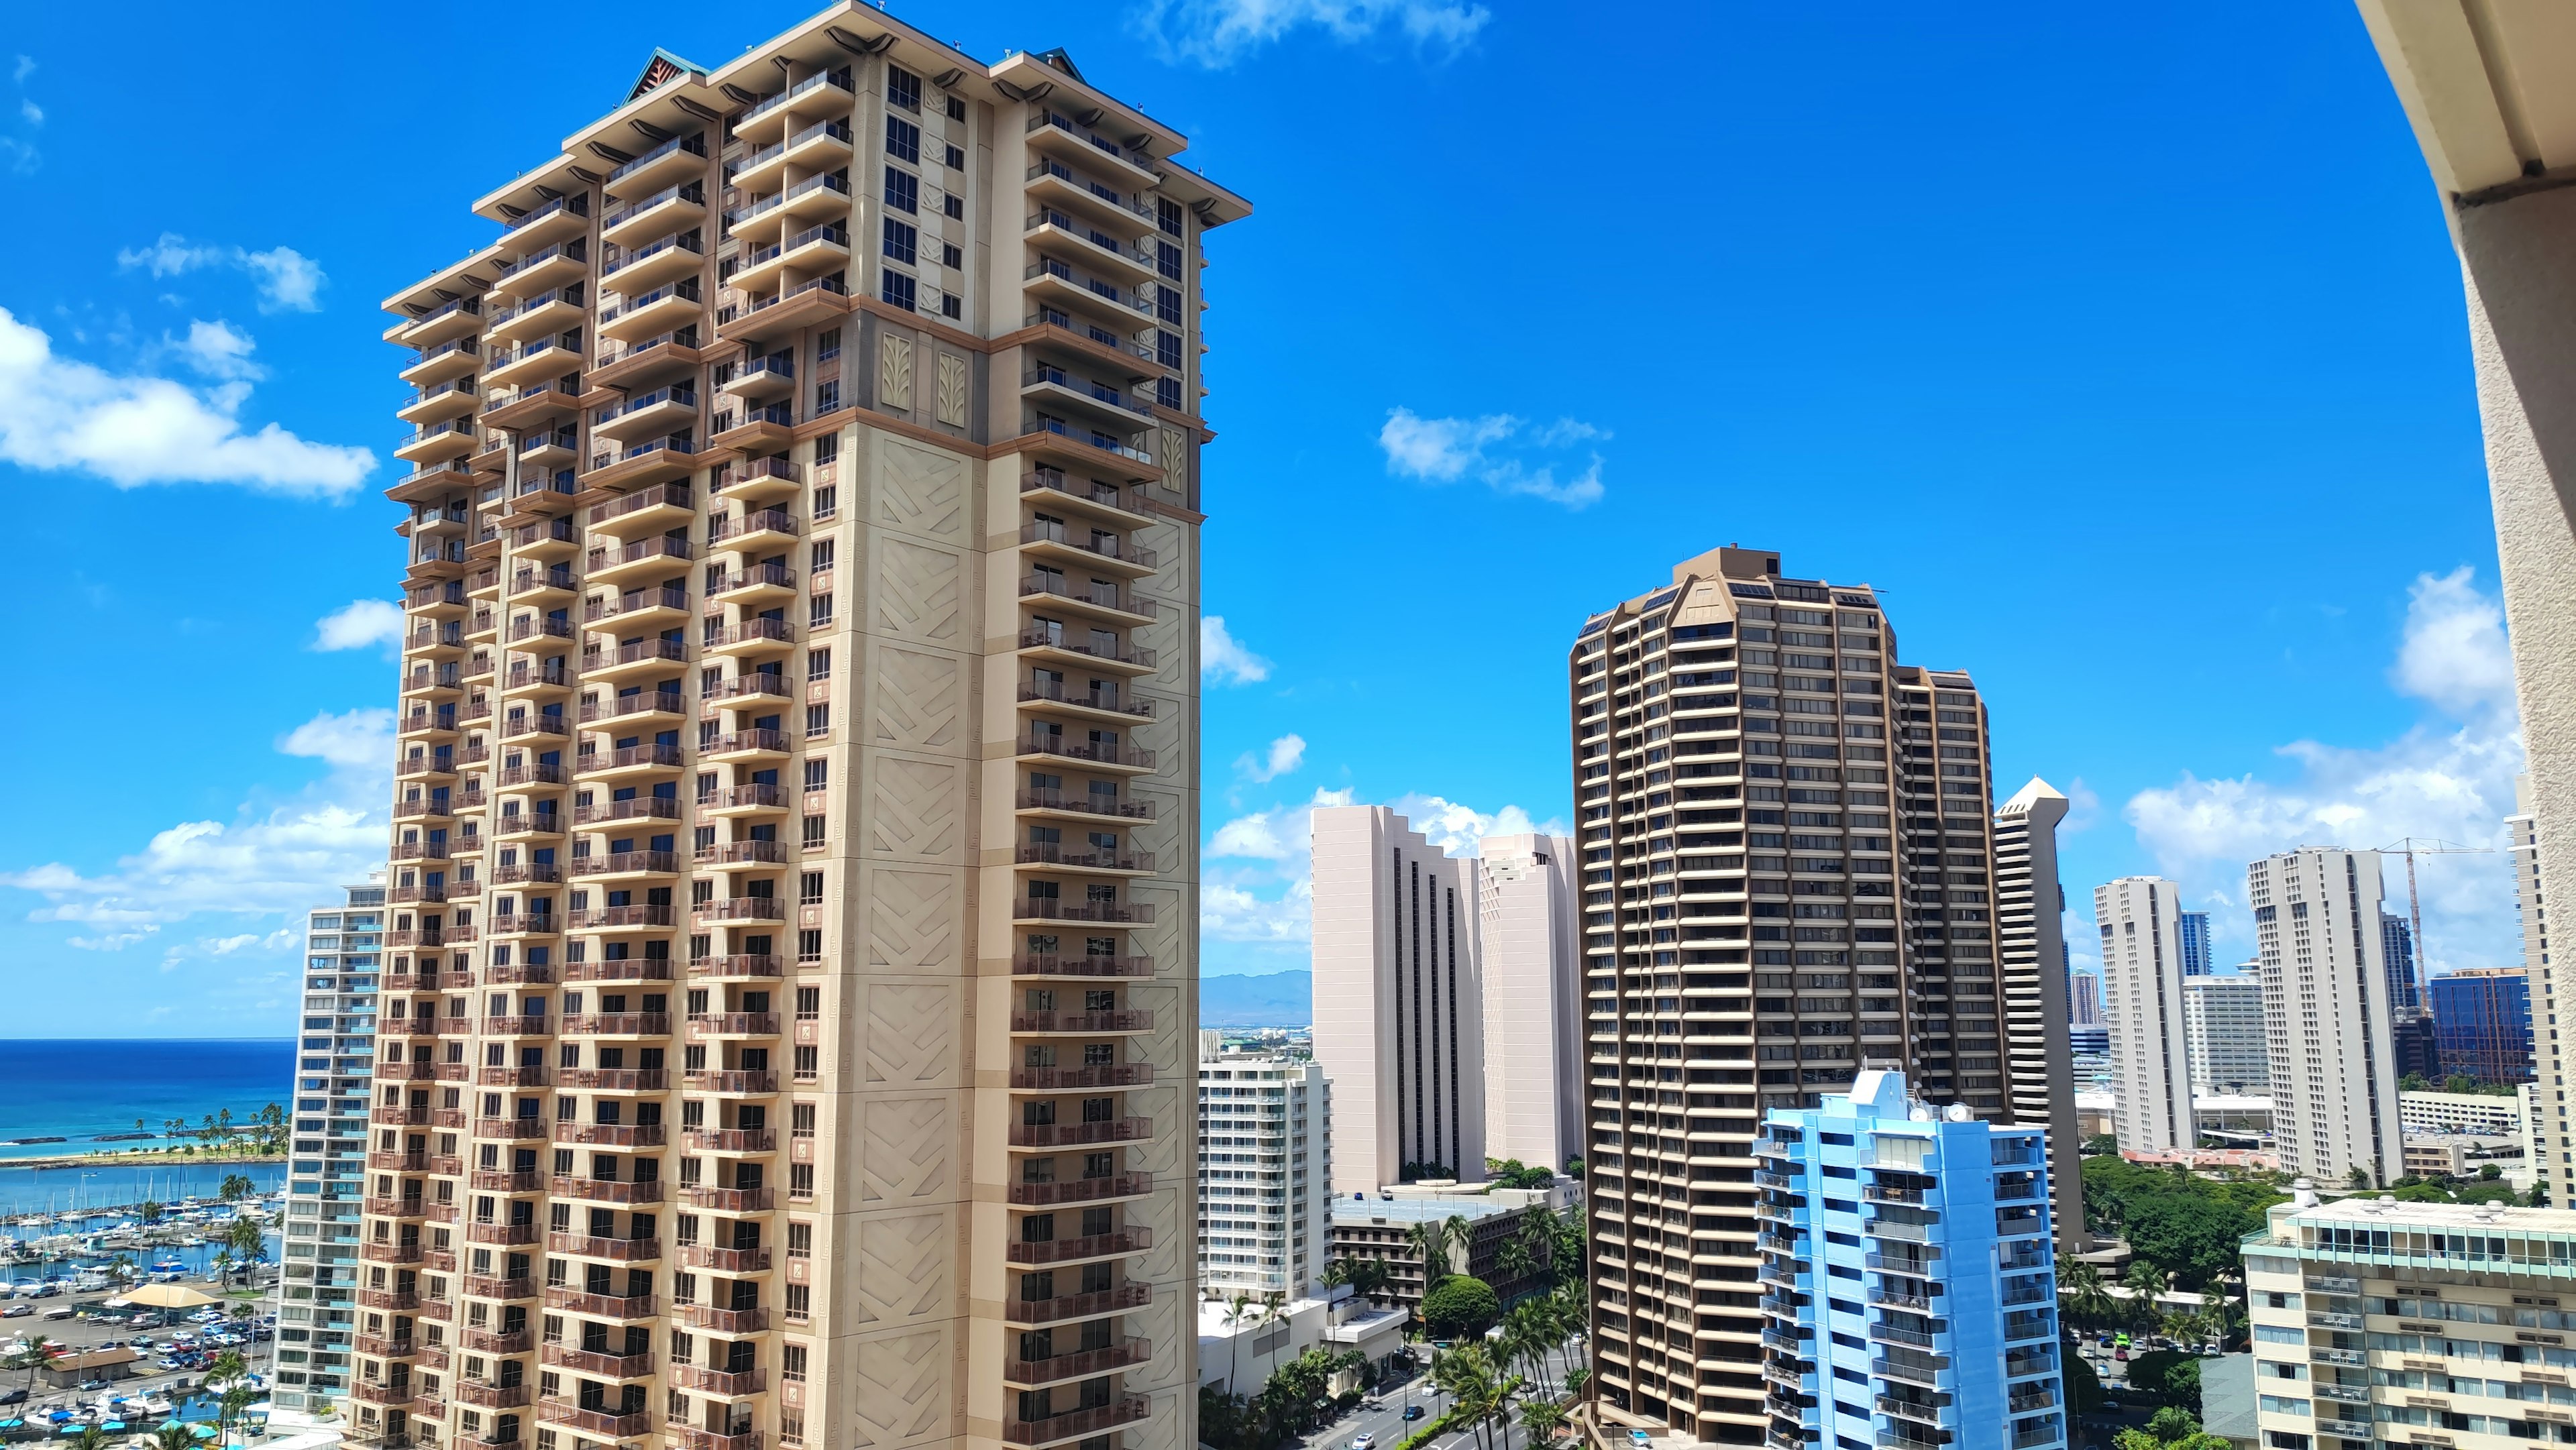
pixel 1788 873
pixel 788 1036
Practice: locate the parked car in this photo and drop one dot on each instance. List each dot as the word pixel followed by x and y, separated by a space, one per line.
pixel 1363 1442
pixel 17 1311
pixel 17 1396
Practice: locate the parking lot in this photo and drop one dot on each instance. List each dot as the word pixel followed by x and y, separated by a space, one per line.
pixel 181 1345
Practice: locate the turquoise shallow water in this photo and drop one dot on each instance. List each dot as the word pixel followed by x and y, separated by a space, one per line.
pixel 78 1089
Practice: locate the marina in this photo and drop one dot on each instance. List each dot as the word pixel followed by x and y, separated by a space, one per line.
pixel 78 1231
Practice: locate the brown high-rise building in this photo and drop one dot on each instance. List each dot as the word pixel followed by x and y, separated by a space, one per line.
pixel 1787 861
pixel 788 1026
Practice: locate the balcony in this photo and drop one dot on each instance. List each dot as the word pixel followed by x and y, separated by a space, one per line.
pixel 636 708
pixel 649 608
pixel 599 1364
pixel 724 1321
pixel 803 305
pixel 596 1421
pixel 733 1024
pixel 757 480
pixel 1077 1424
pixel 657 413
pixel 681 156
pixel 771 216
pixel 1125 505
pixel 528 405
pixel 730 1261
pixel 491 1396
pixel 759 685
pixel 730 1200
pixel 1080 1190
pixel 627 760
pixel 678 207
pixel 446 361
pixel 539 358
pixel 621 969
pixel 824 91
pixel 452 439
pixel 665 259
pixel 1073 1079
pixel 1093 596
pixel 746 745
pixel 822 146
pixel 565 216
pixel 744 800
pixel 1050 908
pixel 623 918
pixel 462 317
pixel 738 1082
pixel 1056 745
pixel 1085 859
pixel 1079 1135
pixel 639 808
pixel 643 557
pixel 739 965
pixel 753 427
pixel 446 400
pixel 821 248
pixel 655 460
pixel 617 1135
pixel 1102 550
pixel 1047 385
pixel 1074 1250
pixel 761 378
pixel 660 309
pixel 607 1190
pixel 1087 245
pixel 692 1438
pixel 760 584
pixel 1066 965
pixel 1051 645
pixel 617 1079
pixel 617 1024
pixel 557 309
pixel 753 528
pixel 600 1306
pixel 482 1286
pixel 1050 181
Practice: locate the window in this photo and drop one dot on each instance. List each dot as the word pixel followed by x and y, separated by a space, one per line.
pixel 827 346
pixel 954 206
pixel 1167 260
pixel 902 190
pixel 819 557
pixel 956 158
pixel 1167 348
pixel 1167 391
pixel 827 396
pixel 896 288
pixel 818 721
pixel 1167 305
pixel 818 666
pixel 903 139
pixel 952 255
pixel 809 884
pixel 903 88
pixel 1167 215
pixel 809 1065
pixel 820 613
pixel 951 305
pixel 818 773
pixel 956 109
pixel 902 241
pixel 813 824
pixel 827 502
pixel 809 946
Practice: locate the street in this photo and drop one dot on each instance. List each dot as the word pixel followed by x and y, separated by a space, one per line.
pixel 1389 1426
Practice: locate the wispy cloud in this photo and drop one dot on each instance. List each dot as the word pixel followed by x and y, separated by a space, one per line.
pixel 2451 781
pixel 219 351
pixel 1284 755
pixel 1223 659
pixel 19 153
pixel 133 429
pixel 288 281
pixel 359 624
pixel 1493 450
pixel 1217 33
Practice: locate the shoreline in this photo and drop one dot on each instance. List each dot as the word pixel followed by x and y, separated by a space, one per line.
pixel 144 1158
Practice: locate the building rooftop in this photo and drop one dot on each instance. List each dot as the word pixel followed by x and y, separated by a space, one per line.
pixel 1416 1210
pixel 2227 1396
pixel 2390 1211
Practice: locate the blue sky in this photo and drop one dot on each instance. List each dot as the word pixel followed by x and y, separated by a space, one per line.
pixel 2121 349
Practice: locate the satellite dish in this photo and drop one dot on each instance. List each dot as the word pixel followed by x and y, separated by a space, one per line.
pixel 1957 1113
pixel 1919 1114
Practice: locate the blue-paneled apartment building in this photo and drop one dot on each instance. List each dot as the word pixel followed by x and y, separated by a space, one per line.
pixel 1911 1283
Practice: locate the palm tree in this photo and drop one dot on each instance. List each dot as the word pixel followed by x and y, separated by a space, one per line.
pixel 1542 1419
pixel 1368 1278
pixel 1238 1313
pixel 1466 1375
pixel 1460 1237
pixel 38 1352
pixel 229 1408
pixel 1432 1244
pixel 2086 1298
pixel 91 1437
pixel 236 1186
pixel 223 1265
pixel 174 1437
pixel 2147 1281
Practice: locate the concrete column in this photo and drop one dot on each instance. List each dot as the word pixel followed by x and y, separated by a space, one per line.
pixel 2519 261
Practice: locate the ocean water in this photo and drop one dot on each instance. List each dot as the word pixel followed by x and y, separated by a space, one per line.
pixel 79 1089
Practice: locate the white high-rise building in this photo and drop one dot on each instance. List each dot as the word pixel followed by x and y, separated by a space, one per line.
pixel 2030 914
pixel 1265 1175
pixel 2551 1151
pixel 2222 1017
pixel 317 1287
pixel 1532 969
pixel 1399 1004
pixel 2142 1002
pixel 2326 1013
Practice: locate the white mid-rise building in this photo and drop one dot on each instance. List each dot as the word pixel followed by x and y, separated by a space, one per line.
pixel 2222 1017
pixel 2551 1140
pixel 326 1168
pixel 1529 937
pixel 2326 1012
pixel 2142 1002
pixel 1265 1175
pixel 1399 1001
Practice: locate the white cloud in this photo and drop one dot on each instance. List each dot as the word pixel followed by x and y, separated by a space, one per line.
pixel 1231 913
pixel 1456 829
pixel 271 860
pixel 1223 660
pixel 34 114
pixel 1217 33
pixel 362 622
pixel 219 351
pixel 1447 450
pixel 25 67
pixel 1274 900
pixel 2452 782
pixel 1285 754
pixel 288 281
pixel 56 413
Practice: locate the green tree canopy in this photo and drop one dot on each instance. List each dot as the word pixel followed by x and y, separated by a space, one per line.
pixel 1460 1307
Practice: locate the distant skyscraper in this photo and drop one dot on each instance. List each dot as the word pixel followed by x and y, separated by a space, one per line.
pixel 1530 936
pixel 326 1169
pixel 2143 1003
pixel 2223 1027
pixel 2553 1132
pixel 2084 1000
pixel 1949 1231
pixel 1265 1175
pixel 2030 912
pixel 2482 1018
pixel 2397 945
pixel 2192 931
pixel 2326 1013
pixel 1399 1006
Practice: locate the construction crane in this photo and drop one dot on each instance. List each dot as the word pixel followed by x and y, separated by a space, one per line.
pixel 2406 846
